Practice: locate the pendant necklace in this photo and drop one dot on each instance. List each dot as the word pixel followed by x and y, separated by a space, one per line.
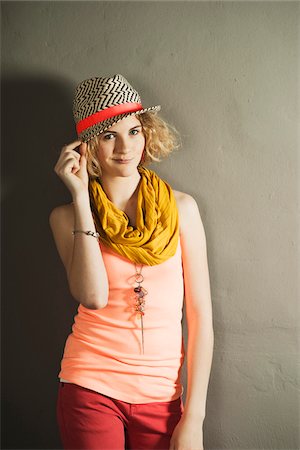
pixel 140 293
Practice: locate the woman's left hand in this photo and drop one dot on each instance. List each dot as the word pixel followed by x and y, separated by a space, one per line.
pixel 187 435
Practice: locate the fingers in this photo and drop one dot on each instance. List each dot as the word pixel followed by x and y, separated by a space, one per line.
pixel 70 148
pixel 68 158
pixel 83 148
pixel 67 164
pixel 72 145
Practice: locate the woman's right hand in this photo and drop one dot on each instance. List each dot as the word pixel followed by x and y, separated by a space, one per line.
pixel 71 167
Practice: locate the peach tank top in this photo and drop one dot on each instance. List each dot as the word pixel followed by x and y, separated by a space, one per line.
pixel 104 351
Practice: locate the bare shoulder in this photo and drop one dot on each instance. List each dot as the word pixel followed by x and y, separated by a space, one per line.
pixel 184 200
pixel 61 212
pixel 187 207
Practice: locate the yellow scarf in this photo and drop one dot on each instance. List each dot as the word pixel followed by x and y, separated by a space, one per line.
pixel 155 237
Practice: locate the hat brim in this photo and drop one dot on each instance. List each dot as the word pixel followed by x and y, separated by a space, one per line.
pixel 98 128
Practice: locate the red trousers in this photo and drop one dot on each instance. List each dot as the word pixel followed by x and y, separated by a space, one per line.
pixel 88 420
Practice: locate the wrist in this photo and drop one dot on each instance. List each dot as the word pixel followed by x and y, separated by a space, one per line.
pixel 81 197
pixel 193 417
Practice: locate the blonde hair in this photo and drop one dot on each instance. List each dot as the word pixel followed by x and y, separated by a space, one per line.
pixel 161 138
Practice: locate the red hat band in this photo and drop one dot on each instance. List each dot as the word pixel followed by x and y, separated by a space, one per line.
pixel 106 113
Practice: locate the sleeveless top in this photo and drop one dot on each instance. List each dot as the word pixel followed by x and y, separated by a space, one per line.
pixel 103 351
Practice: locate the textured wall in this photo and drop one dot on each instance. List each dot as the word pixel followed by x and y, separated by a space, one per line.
pixel 225 74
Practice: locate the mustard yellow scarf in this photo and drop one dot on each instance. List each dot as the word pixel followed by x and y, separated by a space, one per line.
pixel 155 237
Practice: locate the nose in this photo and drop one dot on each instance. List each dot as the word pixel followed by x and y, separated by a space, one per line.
pixel 122 146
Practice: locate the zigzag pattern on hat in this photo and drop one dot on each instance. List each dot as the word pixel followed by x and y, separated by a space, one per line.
pixel 114 91
pixel 98 94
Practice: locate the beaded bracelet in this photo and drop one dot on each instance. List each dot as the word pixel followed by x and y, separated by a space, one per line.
pixel 89 233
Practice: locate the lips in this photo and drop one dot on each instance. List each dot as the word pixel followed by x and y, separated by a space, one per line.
pixel 124 161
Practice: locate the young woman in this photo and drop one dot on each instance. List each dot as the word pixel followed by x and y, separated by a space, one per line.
pixel 134 249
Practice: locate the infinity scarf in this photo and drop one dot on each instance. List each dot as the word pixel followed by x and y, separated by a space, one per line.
pixel 155 237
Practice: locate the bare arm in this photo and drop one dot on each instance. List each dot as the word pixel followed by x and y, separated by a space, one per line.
pixel 80 254
pixel 198 308
pixel 188 433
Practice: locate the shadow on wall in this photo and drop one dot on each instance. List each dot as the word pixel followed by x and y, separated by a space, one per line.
pixel 37 307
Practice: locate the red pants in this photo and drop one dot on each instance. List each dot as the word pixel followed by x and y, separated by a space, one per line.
pixel 91 421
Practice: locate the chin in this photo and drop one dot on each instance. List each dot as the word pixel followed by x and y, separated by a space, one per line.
pixel 125 169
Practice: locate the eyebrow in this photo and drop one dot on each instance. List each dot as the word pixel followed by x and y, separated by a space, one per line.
pixel 107 131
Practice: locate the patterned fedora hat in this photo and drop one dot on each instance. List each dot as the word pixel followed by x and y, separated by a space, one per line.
pixel 101 102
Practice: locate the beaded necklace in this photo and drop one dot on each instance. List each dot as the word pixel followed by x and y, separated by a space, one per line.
pixel 140 293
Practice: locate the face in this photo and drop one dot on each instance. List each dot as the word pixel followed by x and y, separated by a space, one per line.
pixel 121 147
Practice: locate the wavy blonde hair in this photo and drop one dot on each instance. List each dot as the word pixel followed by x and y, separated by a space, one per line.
pixel 161 138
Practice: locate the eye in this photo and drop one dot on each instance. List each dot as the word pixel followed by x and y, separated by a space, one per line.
pixel 106 137
pixel 135 130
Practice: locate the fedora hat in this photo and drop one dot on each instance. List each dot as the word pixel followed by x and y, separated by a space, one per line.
pixel 100 102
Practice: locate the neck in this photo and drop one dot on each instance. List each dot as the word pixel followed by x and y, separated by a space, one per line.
pixel 120 190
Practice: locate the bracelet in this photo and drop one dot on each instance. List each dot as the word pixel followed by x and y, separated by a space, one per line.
pixel 89 233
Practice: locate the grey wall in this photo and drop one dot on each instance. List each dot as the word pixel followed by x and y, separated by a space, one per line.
pixel 226 76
